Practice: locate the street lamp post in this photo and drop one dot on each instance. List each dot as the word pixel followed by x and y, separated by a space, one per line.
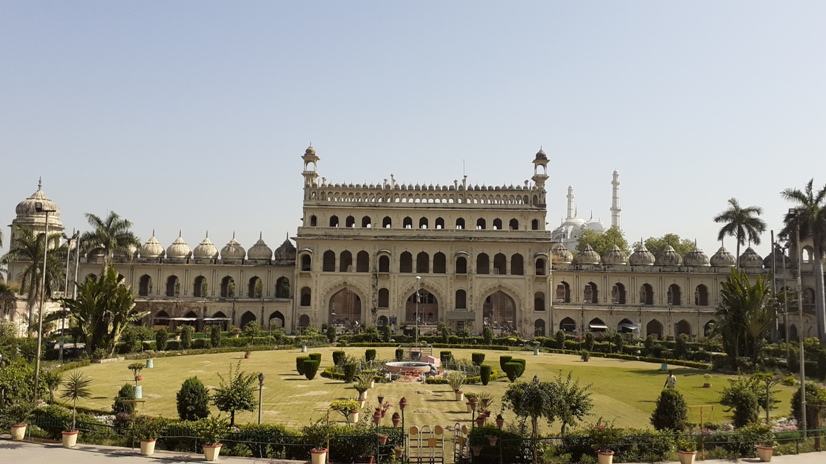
pixel 38 207
pixel 260 393
pixel 793 213
pixel 418 285
pixel 69 241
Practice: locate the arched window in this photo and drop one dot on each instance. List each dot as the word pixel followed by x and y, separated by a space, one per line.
pixel 482 264
pixel 255 288
pixel 654 328
pixel 683 327
pixel 646 294
pixel 306 262
pixel 350 222
pixel 329 264
pixel 276 320
pixel 674 297
pixel 535 224
pixel 517 265
pixel 282 287
pixel 539 328
pixel 406 263
pixel 460 223
pixel 384 298
pixel 246 318
pixel 618 293
pixel 540 267
pixel 334 221
pixel 480 224
pixel 461 299
pixel 500 264
pixel 387 223
pixel 199 288
pixel 363 261
pixel 439 263
pixel 173 286
pixel 313 221
pixel 303 321
pixel 345 262
pixel 227 287
pixel 563 292
pixel 567 325
pixel 539 301
pixel 384 264
pixel 440 223
pixel 590 293
pixel 461 265
pixel 513 224
pixel 701 295
pixel 407 223
pixel 423 223
pixel 306 296
pixel 423 263
pixel 497 224
pixel 366 222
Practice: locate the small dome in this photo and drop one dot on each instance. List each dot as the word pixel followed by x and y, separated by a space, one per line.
pixel 286 251
pixel 260 251
pixel 205 250
pixel 28 207
pixel 779 258
pixel 591 224
pixel 669 257
pixel 560 254
pixel 179 249
pixel 310 151
pixel 615 256
pixel 696 257
pixel 641 256
pixel 233 250
pixel 723 258
pixel 750 259
pixel 587 256
pixel 152 248
pixel 540 155
pixel 95 255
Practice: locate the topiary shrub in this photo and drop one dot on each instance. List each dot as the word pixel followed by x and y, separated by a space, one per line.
pixel 186 337
pixel 192 400
pixel 504 359
pixel 477 358
pixel 161 339
pixel 369 354
pixel 331 334
pixel 399 354
pixel 589 341
pixel 299 364
pixel 338 357
pixel 523 363
pixel 484 374
pixel 445 357
pixel 671 412
pixel 310 368
pixel 513 370
pixel 560 340
pixel 126 392
pixel 349 371
pixel 215 336
pixel 315 356
pixel 487 335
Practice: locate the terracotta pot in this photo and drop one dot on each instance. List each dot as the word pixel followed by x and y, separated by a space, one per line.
pixel 492 439
pixel 319 456
pixel 606 457
pixel 477 450
pixel 246 356
pixel 500 421
pixel 396 419
pixel 403 403
pixel 139 378
pixel 383 439
pixel 399 453
pixel 485 403
pixel 480 421
pixel 18 431
pixel 211 452
pixel 362 396
pixel 70 439
pixel 706 385
pixel 687 457
pixel 148 447
pixel 765 453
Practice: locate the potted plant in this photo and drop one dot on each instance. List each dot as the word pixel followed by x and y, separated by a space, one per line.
pixel 486 398
pixel 686 450
pixel 247 354
pixel 136 369
pixel 17 414
pixel 383 438
pixel 603 436
pixel 75 387
pixel 146 430
pixel 362 385
pixel 500 421
pixel 348 408
pixel 455 380
pixel 708 381
pixel 212 429
pixel 585 356
pixel 399 450
pixel 471 398
pixel 396 418
pixel 765 450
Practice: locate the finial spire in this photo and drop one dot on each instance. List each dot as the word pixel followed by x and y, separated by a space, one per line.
pixel 39 183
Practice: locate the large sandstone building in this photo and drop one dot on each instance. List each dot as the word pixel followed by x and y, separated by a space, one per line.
pixel 476 255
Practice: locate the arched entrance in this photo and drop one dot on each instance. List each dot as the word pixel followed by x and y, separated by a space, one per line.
pixel 428 309
pixel 654 328
pixel 539 328
pixel 499 313
pixel 345 309
pixel 567 325
pixel 682 327
pixel 246 318
pixel 276 320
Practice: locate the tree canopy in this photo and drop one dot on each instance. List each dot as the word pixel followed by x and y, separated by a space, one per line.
pixel 744 316
pixel 111 234
pixel 657 245
pixel 236 392
pixel 741 223
pixel 602 242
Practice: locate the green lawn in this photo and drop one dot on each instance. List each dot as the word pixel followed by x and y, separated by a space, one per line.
pixel 623 391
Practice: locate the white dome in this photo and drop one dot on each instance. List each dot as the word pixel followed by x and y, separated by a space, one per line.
pixel 233 251
pixel 179 249
pixel 560 254
pixel 641 256
pixel 152 249
pixel 205 250
pixel 587 256
pixel 723 258
pixel 260 251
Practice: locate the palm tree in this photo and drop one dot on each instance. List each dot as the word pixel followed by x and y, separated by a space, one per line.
pixel 810 214
pixel 27 247
pixel 74 388
pixel 741 223
pixel 112 235
pixel 744 316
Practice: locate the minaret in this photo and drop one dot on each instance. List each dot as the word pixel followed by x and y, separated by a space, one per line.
pixel 540 174
pixel 615 201
pixel 570 197
pixel 310 170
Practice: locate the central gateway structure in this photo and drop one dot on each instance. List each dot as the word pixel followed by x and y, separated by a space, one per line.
pixel 481 253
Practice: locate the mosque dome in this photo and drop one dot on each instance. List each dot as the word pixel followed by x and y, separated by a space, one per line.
pixel 260 251
pixel 233 250
pixel 560 254
pixel 615 256
pixel 723 258
pixel 286 251
pixel 641 256
pixel 750 259
pixel 28 207
pixel 587 256
pixel 591 224
pixel 310 151
pixel 179 249
pixel 779 258
pixel 152 249
pixel 205 250
pixel 540 155
pixel 696 257
pixel 669 257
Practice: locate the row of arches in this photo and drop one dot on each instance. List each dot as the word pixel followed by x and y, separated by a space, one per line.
pixel 590 294
pixel 200 287
pixel 276 319
pixel 423 222
pixel 449 197
pixel 422 264
pixel 653 328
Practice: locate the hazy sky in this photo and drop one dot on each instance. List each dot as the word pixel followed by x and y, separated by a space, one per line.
pixel 193 115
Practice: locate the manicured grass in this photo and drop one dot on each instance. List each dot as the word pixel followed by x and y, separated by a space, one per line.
pixel 623 391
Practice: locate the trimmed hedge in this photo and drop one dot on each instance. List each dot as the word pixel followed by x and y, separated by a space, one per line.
pixel 504 359
pixel 399 354
pixel 369 355
pixel 514 370
pixel 338 357
pixel 349 372
pixel 315 356
pixel 310 368
pixel 299 364
pixel 477 358
pixel 484 373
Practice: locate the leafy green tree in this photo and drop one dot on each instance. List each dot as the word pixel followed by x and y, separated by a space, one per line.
pixel 236 392
pixel 810 208
pixel 126 392
pixel 111 234
pixel 602 242
pixel 745 396
pixel 52 380
pixel 657 245
pixel 192 400
pixel 671 412
pixel 744 316
pixel 215 336
pixel 741 223
pixel 571 401
pixel 103 309
pixel 532 400
pixel 27 247
pixel 815 405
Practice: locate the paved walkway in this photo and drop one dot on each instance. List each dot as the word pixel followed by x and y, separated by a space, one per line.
pixel 54 453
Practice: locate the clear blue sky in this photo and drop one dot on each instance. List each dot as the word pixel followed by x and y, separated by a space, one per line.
pixel 193 115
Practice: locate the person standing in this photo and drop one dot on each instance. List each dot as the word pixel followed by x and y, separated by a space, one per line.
pixel 671 381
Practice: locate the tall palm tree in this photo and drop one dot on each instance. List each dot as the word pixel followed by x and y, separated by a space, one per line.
pixel 741 223
pixel 744 316
pixel 810 215
pixel 111 234
pixel 27 247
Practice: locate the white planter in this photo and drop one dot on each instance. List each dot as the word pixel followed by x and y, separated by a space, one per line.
pixel 211 452
pixel 319 456
pixel 687 457
pixel 460 395
pixel 354 417
pixel 606 457
pixel 147 447
pixel 18 432
pixel 70 439
pixel 372 383
pixel 765 453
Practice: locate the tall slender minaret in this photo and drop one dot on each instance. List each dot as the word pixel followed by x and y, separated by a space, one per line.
pixel 615 201
pixel 570 197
